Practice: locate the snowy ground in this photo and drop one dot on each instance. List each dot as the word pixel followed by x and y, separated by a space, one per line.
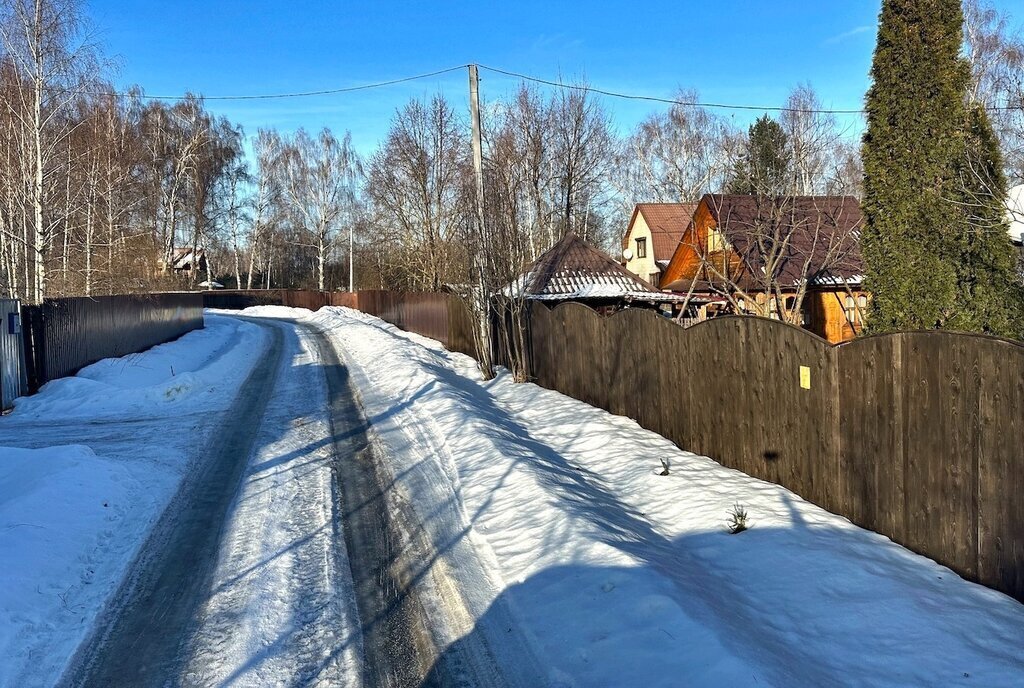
pixel 281 608
pixel 549 544
pixel 551 516
pixel 99 457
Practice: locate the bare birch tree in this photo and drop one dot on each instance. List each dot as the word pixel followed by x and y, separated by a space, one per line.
pixel 674 157
pixel 43 43
pixel 996 54
pixel 320 178
pixel 417 182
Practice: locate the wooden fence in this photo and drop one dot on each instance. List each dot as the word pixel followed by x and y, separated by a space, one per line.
pixel 917 435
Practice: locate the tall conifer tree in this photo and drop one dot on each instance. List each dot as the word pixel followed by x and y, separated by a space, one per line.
pixel 914 138
pixel 990 298
pixel 935 249
pixel 765 168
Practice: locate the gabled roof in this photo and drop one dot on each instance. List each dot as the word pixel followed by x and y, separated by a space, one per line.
pixel 573 269
pixel 821 234
pixel 667 222
pixel 183 258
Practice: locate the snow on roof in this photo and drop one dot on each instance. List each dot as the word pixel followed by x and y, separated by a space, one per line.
pixel 185 258
pixel 573 269
pixel 1015 212
pixel 835 281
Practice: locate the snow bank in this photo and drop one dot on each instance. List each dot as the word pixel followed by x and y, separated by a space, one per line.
pixel 184 374
pixel 69 522
pixel 620 576
pixel 108 449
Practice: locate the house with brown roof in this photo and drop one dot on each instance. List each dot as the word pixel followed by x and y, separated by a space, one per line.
pixel 791 258
pixel 185 260
pixel 651 237
pixel 574 270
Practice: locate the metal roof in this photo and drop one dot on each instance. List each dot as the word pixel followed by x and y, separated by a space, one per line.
pixel 573 269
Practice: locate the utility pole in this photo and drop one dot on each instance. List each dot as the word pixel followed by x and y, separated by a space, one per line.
pixel 481 297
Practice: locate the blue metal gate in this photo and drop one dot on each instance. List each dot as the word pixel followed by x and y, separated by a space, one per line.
pixel 12 354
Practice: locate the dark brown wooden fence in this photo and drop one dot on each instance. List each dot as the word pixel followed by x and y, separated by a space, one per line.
pixel 918 435
pixel 65 335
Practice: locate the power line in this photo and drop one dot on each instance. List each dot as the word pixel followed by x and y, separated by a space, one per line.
pixel 271 96
pixel 517 75
pixel 724 106
pixel 669 101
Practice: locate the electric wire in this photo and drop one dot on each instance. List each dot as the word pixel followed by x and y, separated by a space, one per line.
pixel 271 96
pixel 518 75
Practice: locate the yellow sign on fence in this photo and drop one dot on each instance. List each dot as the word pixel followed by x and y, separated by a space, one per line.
pixel 805 377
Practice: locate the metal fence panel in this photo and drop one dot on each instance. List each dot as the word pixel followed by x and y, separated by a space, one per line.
pixel 238 299
pixel 12 354
pixel 65 335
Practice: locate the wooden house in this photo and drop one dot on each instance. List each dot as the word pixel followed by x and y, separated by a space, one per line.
pixel 743 252
pixel 184 260
pixel 651 237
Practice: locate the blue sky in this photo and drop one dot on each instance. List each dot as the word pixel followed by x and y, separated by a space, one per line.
pixel 736 51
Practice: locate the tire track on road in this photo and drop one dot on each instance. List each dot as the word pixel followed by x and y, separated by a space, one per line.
pixel 146 629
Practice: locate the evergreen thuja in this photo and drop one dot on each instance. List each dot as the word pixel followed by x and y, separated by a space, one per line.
pixel 935 247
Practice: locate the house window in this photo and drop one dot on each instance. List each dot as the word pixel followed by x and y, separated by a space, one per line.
pixel 861 311
pixel 641 248
pixel 716 242
pixel 851 311
pixel 653 279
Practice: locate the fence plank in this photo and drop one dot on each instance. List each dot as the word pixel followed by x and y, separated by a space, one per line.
pixel 871 462
pixel 915 435
pixel 1001 470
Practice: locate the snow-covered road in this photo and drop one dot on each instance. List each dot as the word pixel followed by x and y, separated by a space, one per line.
pixel 552 518
pixel 244 578
pixel 365 511
pixel 87 467
pixel 246 581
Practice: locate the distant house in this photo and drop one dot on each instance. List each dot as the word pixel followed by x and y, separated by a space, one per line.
pixel 185 260
pixel 742 252
pixel 652 235
pixel 573 270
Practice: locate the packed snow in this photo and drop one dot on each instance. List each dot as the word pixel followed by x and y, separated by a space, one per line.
pixel 616 575
pixel 282 608
pixel 555 547
pixel 187 375
pixel 86 467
